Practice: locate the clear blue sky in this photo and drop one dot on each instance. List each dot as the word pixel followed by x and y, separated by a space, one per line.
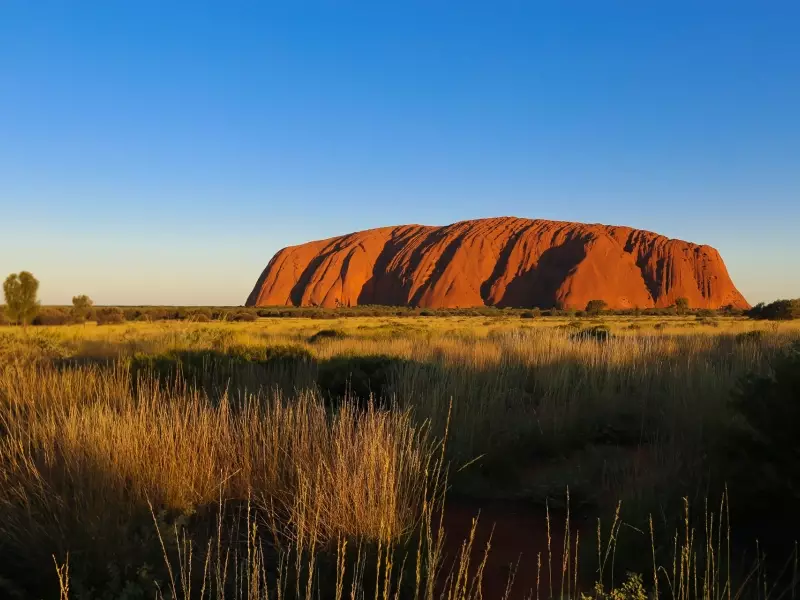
pixel 161 152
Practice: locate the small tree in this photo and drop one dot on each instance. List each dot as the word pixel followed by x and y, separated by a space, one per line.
pixel 81 307
pixel 595 307
pixel 682 305
pixel 21 302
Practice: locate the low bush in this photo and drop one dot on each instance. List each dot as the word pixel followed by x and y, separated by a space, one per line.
pixel 213 370
pixel 244 316
pixel 155 314
pixel 780 310
pixel 109 316
pixel 360 379
pixel 756 335
pixel 730 311
pixel 132 314
pixel 598 333
pixel 707 321
pixel 631 589
pixel 327 334
pixel 202 315
pixel 765 449
pixel 596 307
pixel 52 316
pixel 178 314
pixel 286 354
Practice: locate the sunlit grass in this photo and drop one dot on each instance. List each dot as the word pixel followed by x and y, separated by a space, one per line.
pixel 285 496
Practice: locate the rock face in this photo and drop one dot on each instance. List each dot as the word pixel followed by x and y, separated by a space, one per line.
pixel 498 262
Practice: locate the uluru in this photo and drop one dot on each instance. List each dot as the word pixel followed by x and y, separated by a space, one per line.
pixel 504 262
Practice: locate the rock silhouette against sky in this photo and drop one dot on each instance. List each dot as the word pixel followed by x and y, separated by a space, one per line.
pixel 502 262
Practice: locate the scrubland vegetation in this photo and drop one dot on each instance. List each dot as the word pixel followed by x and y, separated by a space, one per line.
pixel 298 457
pixel 65 315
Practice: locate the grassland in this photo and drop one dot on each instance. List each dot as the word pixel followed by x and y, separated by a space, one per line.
pixel 294 457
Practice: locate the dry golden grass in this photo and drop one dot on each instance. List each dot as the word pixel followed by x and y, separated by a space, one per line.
pixel 367 327
pixel 85 453
pixel 360 472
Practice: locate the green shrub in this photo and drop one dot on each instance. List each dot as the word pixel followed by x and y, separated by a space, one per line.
pixel 596 307
pixel 707 321
pixel 52 316
pixel 286 354
pixel 155 314
pixel 213 370
pixel 109 315
pixel 770 406
pixel 360 379
pixel 730 311
pixel 598 333
pixel 131 314
pixel 200 315
pixel 266 355
pixel 756 335
pixel 244 316
pixel 178 314
pixel 631 589
pixel 780 310
pixel 327 334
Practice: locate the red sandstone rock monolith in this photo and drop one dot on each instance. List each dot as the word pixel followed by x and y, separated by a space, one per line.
pixel 497 262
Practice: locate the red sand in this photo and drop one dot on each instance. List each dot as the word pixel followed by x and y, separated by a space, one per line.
pixel 497 262
pixel 518 536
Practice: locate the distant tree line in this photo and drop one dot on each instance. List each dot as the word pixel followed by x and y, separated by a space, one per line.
pixel 22 308
pixel 780 310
